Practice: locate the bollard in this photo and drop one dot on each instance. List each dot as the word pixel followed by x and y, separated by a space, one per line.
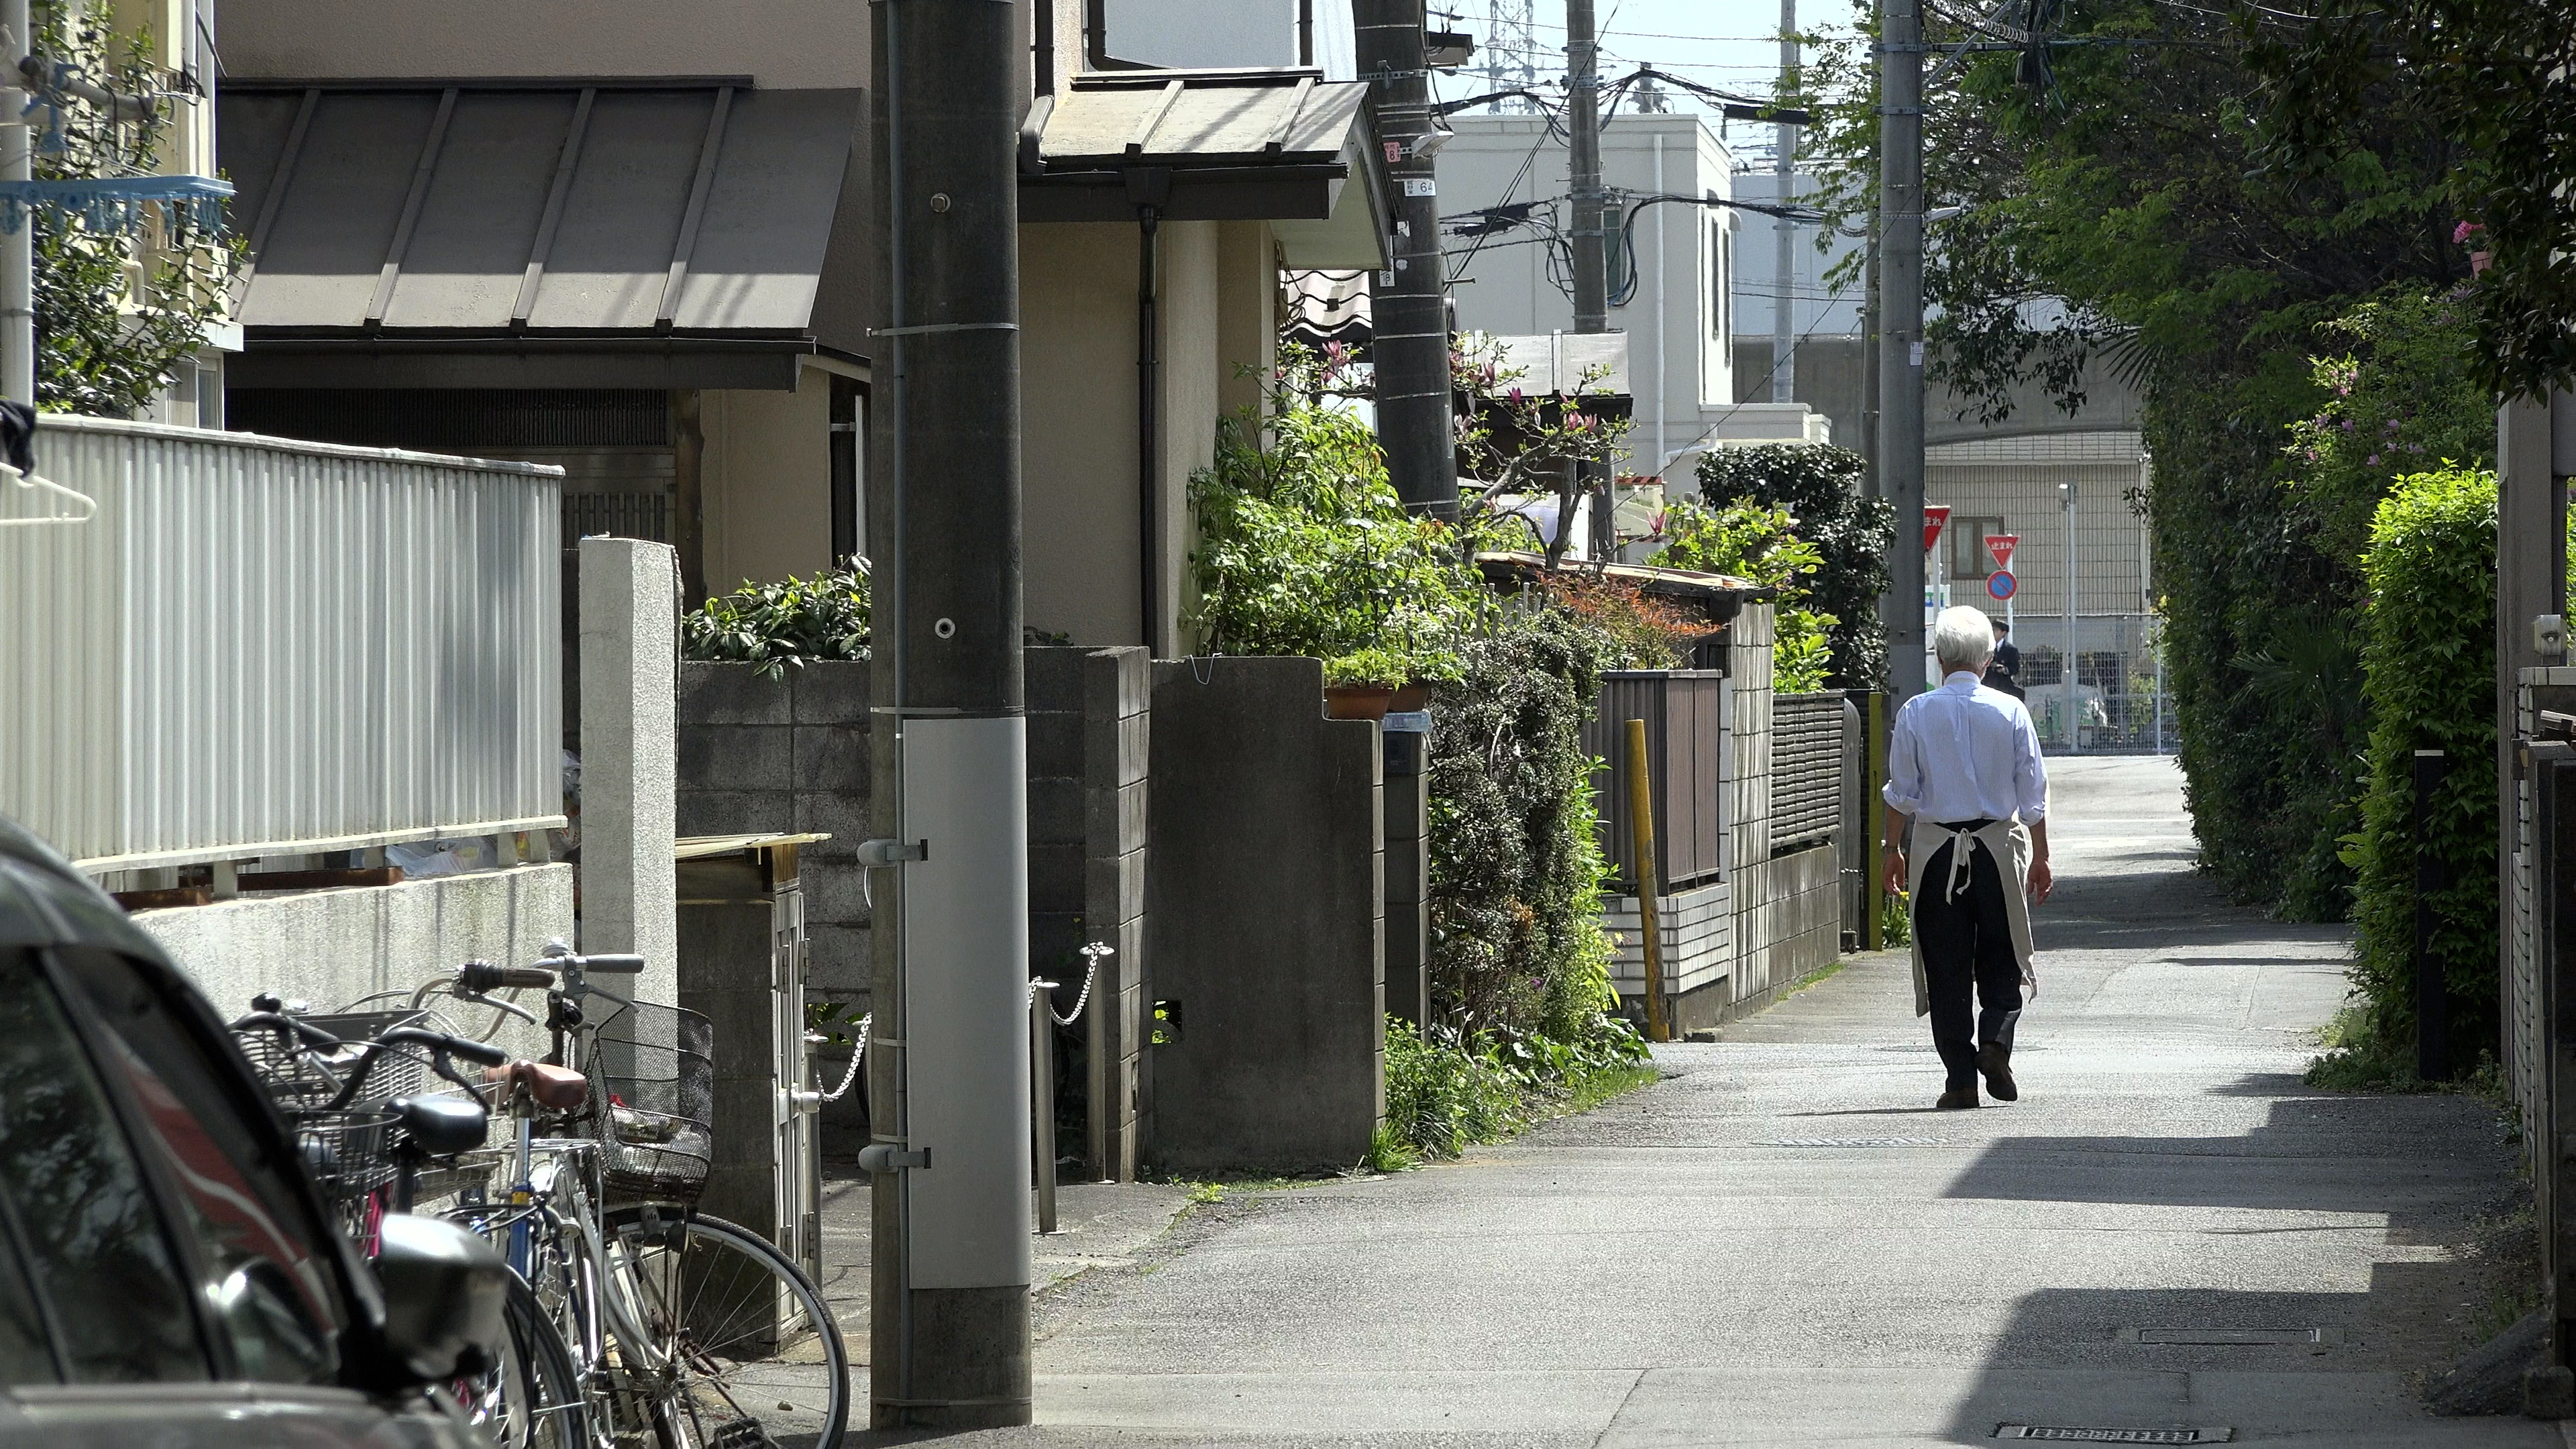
pixel 1042 1099
pixel 2432 993
pixel 1641 830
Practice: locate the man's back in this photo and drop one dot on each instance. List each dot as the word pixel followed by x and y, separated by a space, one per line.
pixel 1966 752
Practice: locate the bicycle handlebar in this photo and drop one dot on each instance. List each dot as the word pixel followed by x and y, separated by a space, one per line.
pixel 611 965
pixel 439 1041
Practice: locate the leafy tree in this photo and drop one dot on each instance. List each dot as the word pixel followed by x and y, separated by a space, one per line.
pixel 116 314
pixel 1853 534
pixel 1746 540
pixel 2497 80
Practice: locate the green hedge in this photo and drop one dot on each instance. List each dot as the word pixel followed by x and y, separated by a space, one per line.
pixel 2429 663
pixel 1854 535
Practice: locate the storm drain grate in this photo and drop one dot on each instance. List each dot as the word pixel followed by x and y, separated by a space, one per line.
pixel 1858 1142
pixel 2231 1336
pixel 2069 1434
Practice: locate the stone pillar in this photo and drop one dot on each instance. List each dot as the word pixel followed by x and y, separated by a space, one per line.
pixel 630 604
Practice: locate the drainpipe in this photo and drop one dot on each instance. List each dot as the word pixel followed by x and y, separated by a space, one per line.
pixel 1149 189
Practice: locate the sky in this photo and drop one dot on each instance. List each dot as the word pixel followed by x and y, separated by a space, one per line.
pixel 1730 44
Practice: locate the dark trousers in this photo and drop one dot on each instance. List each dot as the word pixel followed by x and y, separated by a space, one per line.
pixel 1967 943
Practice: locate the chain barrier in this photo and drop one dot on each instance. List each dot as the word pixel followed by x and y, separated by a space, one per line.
pixel 856 1057
pixel 1091 955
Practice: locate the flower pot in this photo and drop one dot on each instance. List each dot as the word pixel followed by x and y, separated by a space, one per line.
pixel 1357 701
pixel 1411 697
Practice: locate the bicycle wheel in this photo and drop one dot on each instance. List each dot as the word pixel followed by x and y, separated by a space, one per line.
pixel 531 1399
pixel 757 1356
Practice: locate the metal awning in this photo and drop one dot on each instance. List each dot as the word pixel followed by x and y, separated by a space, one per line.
pixel 669 230
pixel 1281 145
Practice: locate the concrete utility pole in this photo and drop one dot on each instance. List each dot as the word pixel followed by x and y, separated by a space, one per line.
pixel 18 248
pixel 1784 232
pixel 1591 251
pixel 1409 306
pixel 949 1058
pixel 1900 348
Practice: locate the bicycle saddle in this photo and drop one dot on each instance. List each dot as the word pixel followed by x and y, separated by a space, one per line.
pixel 440 1126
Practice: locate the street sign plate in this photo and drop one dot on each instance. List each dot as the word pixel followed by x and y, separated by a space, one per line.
pixel 2001 545
pixel 2000 584
pixel 1934 515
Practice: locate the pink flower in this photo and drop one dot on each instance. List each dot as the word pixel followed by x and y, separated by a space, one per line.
pixel 2465 230
pixel 2372 460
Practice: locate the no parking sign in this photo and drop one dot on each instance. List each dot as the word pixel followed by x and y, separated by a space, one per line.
pixel 2001 584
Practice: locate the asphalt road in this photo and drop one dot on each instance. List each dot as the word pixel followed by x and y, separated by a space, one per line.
pixel 1781 1244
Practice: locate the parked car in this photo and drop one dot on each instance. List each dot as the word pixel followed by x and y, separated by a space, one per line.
pixel 167 1276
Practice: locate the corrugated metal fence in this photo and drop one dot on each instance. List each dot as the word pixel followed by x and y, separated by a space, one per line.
pixel 267 647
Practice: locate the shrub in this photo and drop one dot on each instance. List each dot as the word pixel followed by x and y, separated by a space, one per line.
pixel 1441 1097
pixel 2429 660
pixel 1639 630
pixel 789 622
pixel 1750 540
pixel 1853 535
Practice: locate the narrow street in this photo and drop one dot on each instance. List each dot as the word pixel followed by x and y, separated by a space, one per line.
pixel 1781 1244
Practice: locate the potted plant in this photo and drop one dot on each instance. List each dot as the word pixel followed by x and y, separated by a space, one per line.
pixel 1362 684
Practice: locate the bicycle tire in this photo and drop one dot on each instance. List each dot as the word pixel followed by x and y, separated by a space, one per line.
pixel 532 1398
pixel 791 1381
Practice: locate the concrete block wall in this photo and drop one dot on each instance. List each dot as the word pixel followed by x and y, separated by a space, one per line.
pixel 330 947
pixel 1266 925
pixel 1090 727
pixel 790 755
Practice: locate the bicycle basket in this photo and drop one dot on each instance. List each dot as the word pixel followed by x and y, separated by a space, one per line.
pixel 299 1077
pixel 657 1068
pixel 348 1153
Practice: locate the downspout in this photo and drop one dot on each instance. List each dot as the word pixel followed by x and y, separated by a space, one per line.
pixel 1149 188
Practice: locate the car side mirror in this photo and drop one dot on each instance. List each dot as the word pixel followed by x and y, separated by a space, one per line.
pixel 444 1292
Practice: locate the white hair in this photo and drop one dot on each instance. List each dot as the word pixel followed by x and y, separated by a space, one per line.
pixel 1964 638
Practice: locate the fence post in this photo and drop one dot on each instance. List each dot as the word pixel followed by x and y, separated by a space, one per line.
pixel 2432 994
pixel 1873 921
pixel 1641 829
pixel 1042 1099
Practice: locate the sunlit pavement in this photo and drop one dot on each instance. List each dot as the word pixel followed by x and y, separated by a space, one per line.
pixel 1781 1244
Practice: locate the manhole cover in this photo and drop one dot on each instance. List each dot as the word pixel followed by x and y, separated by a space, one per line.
pixel 1858 1142
pixel 2071 1434
pixel 2220 1337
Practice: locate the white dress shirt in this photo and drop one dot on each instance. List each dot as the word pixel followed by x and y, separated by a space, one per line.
pixel 1966 752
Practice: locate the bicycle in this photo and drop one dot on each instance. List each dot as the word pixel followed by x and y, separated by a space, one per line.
pixel 686 1331
pixel 367 1152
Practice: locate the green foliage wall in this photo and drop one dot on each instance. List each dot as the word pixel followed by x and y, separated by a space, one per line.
pixel 1820 486
pixel 1516 939
pixel 2429 653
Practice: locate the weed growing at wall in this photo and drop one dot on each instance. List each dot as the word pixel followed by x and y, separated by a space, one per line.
pixel 1444 1095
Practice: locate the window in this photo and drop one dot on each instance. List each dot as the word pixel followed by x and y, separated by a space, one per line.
pixel 1721 282
pixel 106 1270
pixel 268 1283
pixel 1967 539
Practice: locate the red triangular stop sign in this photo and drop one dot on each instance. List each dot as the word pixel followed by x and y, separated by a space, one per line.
pixel 1934 515
pixel 2001 545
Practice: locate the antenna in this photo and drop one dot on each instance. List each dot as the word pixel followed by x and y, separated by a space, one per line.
pixel 1511 52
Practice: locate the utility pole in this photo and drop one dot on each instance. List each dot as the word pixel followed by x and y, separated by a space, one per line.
pixel 1591 271
pixel 18 248
pixel 1784 232
pixel 949 1059
pixel 1900 321
pixel 1409 343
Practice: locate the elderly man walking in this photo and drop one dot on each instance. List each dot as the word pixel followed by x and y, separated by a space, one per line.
pixel 1963 769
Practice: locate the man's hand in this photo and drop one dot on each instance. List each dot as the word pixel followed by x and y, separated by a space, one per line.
pixel 2041 881
pixel 1895 873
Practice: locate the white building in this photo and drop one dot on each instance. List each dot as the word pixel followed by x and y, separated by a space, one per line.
pixel 1676 296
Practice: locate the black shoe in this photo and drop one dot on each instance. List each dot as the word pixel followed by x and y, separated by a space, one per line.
pixel 1956 1098
pixel 1995 1060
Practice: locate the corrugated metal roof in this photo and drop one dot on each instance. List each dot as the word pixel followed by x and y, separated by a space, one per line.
pixel 1200 118
pixel 407 206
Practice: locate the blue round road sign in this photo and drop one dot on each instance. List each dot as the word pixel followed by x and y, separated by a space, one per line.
pixel 2001 584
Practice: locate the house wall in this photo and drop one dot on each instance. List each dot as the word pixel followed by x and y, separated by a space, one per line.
pixel 767 486
pixel 1678 352
pixel 779 44
pixel 1215 307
